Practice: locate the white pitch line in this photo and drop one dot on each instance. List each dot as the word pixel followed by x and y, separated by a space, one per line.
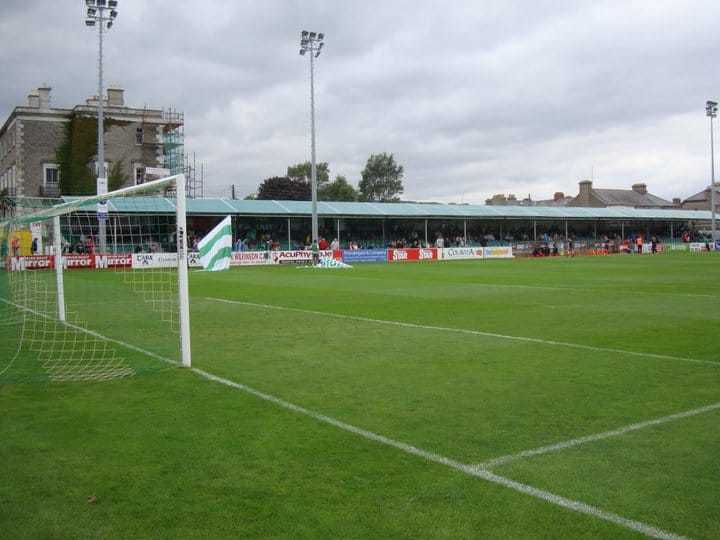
pixel 467 331
pixel 470 470
pixel 504 460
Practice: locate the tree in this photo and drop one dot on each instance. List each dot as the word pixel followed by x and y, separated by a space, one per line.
pixel 283 188
pixel 301 171
pixel 339 190
pixel 381 179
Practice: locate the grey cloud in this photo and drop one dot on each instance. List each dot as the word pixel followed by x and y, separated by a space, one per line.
pixel 472 98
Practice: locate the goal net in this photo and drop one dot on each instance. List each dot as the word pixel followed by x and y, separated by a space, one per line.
pixel 95 288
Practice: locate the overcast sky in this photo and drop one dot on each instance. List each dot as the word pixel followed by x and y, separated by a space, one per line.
pixel 473 98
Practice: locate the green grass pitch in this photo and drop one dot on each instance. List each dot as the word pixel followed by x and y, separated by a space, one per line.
pixel 170 454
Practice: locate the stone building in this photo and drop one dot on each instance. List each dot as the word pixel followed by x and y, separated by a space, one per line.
pixel 135 138
pixel 701 200
pixel 636 197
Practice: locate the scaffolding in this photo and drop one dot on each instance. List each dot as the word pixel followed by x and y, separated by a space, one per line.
pixel 175 159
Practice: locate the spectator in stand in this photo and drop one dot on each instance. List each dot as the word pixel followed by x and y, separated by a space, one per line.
pixel 90 245
pixel 323 244
pixel 653 245
pixel 335 244
pixel 639 244
pixel 15 246
pixel 239 245
pixel 34 246
pixel 440 242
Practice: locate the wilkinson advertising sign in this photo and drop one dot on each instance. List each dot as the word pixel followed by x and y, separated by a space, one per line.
pixel 412 254
pixel 250 258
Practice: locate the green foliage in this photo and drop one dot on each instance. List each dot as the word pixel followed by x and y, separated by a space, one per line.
pixel 117 177
pixel 284 188
pixel 381 179
pixel 301 171
pixel 76 152
pixel 339 190
pixel 7 203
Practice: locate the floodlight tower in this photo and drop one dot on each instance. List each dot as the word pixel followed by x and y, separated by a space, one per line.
pixel 101 14
pixel 711 108
pixel 312 42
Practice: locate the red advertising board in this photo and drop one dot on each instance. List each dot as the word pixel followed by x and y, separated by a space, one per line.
pixel 412 254
pixel 72 262
pixel 35 262
pixel 113 260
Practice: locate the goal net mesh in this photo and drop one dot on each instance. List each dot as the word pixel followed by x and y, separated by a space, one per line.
pixel 112 309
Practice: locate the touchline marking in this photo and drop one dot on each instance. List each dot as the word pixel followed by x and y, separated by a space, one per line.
pixel 504 460
pixel 470 470
pixel 466 331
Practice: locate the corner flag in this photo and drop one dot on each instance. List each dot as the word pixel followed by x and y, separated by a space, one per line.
pixel 216 247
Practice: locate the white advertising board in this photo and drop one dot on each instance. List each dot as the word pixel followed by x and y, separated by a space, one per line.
pixel 250 258
pixel 461 253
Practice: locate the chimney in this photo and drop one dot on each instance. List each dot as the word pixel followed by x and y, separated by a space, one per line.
pixel 677 202
pixel 115 97
pixel 34 100
pixel 640 188
pixel 585 188
pixel 44 96
pixel 558 196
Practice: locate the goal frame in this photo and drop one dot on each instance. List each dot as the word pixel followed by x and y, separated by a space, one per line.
pixel 55 212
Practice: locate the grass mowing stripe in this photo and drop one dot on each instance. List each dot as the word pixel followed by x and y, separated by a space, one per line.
pixel 470 470
pixel 466 331
pixel 503 460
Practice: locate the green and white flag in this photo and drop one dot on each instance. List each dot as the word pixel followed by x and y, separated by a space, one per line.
pixel 216 247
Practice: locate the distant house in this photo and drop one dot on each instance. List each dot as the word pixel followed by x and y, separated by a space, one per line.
pixel 636 197
pixel 701 200
pixel 559 199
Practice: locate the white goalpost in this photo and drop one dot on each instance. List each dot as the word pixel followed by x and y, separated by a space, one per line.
pixel 69 312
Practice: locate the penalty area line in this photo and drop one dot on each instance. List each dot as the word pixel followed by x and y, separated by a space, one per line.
pixel 466 332
pixel 571 443
pixel 469 470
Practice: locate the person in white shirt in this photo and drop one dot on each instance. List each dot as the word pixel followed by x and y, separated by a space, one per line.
pixel 440 242
pixel 335 245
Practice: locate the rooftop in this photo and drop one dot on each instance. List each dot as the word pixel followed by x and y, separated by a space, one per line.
pixel 267 208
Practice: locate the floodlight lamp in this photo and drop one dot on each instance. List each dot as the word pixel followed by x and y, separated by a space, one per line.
pixel 302 52
pixel 304 33
pixel 113 13
pixel 312 35
pixel 321 36
pixel 91 12
pixel 101 3
pixel 89 3
pixel 109 25
pixel 112 3
pixel 89 22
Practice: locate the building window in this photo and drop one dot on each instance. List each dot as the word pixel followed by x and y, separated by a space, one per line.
pixel 139 135
pixel 139 173
pixel 51 174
